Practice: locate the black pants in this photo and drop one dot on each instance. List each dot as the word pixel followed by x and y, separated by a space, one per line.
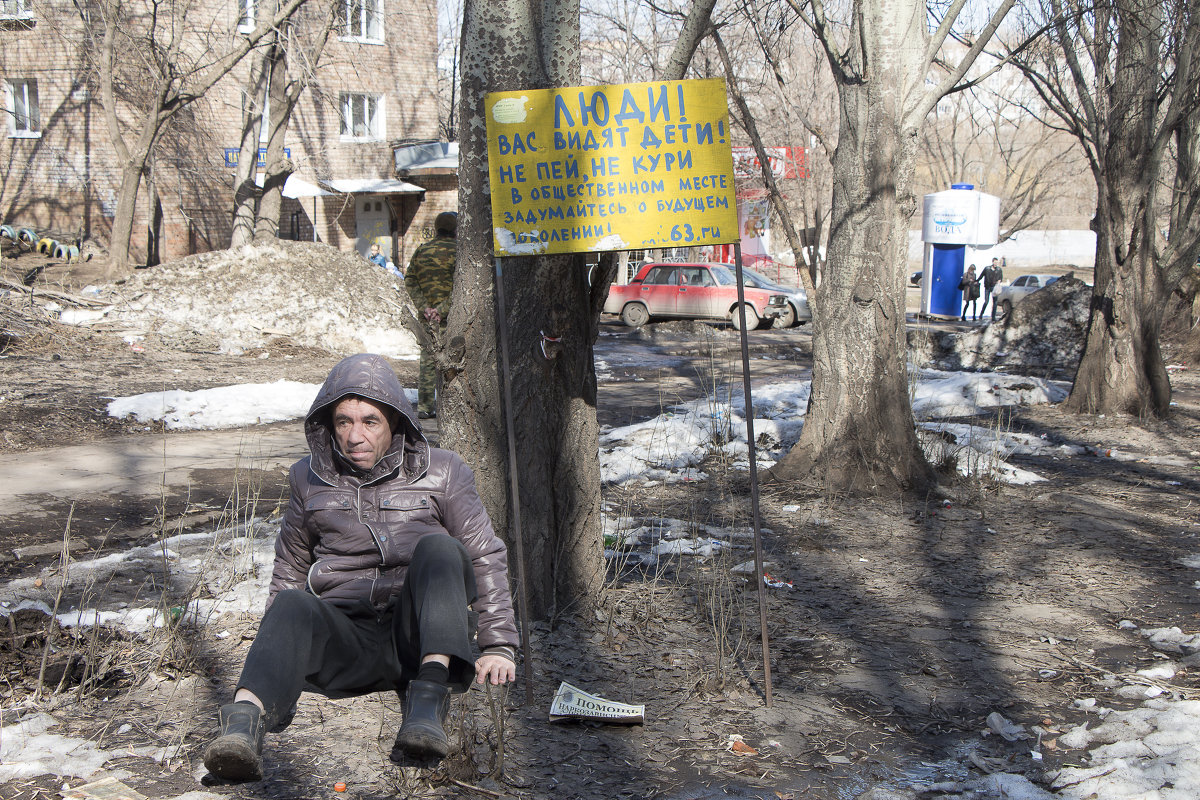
pixel 343 650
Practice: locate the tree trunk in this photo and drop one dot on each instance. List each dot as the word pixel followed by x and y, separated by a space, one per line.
pixel 859 433
pixel 245 200
pixel 122 228
pixel 154 217
pixel 695 27
pixel 1121 369
pixel 133 166
pixel 246 192
pixel 278 165
pixel 531 45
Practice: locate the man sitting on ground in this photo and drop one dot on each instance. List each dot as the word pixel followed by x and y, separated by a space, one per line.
pixel 384 545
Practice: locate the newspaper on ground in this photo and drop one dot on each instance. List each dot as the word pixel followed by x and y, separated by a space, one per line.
pixel 571 702
pixel 104 789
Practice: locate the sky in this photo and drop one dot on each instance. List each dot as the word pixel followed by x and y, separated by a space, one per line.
pixel 1133 753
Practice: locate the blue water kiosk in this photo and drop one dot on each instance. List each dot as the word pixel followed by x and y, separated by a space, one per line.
pixel 952 223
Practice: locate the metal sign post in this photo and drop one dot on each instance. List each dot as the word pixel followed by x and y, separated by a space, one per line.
pixel 758 557
pixel 514 485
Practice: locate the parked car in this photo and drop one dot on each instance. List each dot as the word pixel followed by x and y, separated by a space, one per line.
pixel 690 291
pixel 796 311
pixel 915 278
pixel 1005 295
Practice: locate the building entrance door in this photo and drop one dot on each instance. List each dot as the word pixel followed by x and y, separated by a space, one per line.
pixel 373 225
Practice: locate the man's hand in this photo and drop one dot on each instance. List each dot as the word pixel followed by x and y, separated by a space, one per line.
pixel 495 670
pixel 432 316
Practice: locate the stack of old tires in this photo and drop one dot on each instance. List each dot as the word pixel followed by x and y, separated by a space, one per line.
pixel 29 240
pixel 23 239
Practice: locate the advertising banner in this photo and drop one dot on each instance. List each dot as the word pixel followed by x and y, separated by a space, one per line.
pixel 755 217
pixel 614 167
pixel 786 162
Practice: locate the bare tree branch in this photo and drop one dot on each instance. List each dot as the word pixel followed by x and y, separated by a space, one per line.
pixel 694 28
pixel 819 25
pixel 955 75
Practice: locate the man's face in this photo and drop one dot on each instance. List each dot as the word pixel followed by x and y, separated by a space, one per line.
pixel 362 430
pixel 995 261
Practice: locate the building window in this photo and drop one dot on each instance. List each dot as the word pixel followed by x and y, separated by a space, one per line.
pixel 246 18
pixel 361 20
pixel 16 9
pixel 22 107
pixel 362 116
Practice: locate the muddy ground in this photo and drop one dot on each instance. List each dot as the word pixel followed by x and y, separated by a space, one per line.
pixel 910 620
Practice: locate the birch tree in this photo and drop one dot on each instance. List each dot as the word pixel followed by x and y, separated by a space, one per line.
pixel 246 191
pixel 283 68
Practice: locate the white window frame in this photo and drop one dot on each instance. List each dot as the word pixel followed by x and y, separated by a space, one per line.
pixel 16 9
pixel 361 21
pixel 18 93
pixel 247 15
pixel 369 108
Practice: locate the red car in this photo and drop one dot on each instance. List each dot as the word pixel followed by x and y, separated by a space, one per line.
pixel 691 291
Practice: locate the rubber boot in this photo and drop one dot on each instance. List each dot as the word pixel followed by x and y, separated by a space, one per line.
pixel 236 753
pixel 422 734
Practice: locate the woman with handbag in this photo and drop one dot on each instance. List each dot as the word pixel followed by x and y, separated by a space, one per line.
pixel 970 289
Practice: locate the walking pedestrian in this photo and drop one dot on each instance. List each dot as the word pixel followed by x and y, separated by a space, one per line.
pixel 970 289
pixel 991 276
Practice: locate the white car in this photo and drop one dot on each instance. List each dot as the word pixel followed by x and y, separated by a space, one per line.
pixel 1005 295
pixel 795 311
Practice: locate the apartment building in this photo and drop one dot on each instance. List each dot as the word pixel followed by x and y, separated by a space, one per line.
pixel 373 91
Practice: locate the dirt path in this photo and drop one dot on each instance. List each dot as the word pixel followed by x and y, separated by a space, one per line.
pixel 140 466
pixel 121 489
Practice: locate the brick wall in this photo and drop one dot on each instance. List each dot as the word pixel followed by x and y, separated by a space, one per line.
pixel 416 224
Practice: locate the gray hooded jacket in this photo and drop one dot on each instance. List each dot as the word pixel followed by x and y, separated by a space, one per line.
pixel 349 535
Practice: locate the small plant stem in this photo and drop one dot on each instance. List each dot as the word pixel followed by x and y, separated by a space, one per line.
pixel 64 559
pixel 496 707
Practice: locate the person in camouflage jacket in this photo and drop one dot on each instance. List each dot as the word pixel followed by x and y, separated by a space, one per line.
pixel 430 281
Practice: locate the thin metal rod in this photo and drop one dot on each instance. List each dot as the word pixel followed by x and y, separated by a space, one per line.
pixel 758 556
pixel 514 485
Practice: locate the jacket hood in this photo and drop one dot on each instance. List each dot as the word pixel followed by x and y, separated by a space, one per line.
pixel 369 376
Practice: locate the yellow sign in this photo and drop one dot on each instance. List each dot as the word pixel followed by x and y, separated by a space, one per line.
pixel 619 167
